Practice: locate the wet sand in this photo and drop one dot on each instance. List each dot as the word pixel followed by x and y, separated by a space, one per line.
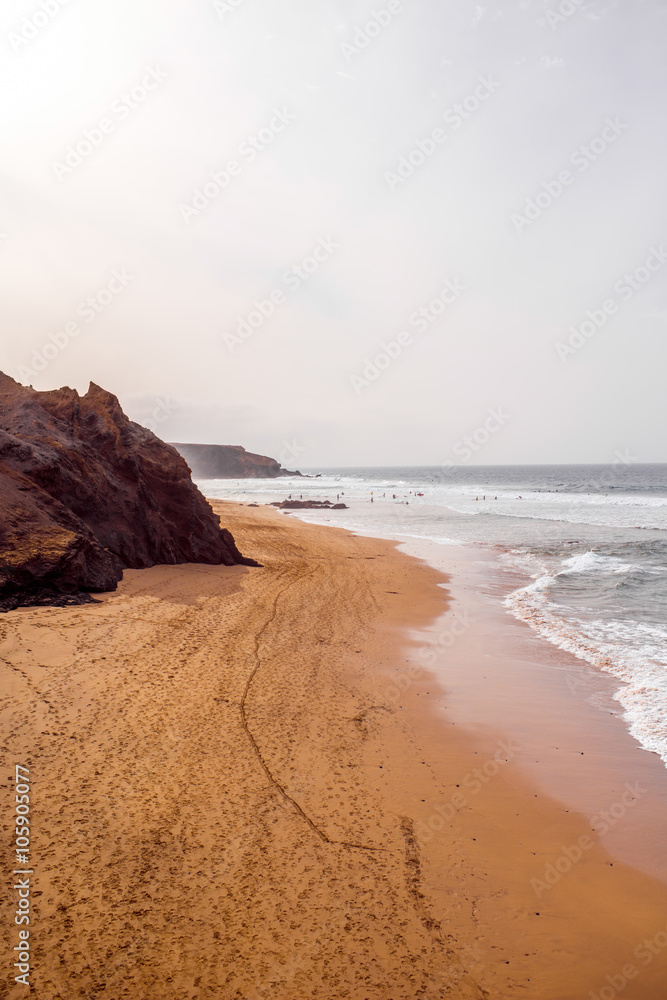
pixel 242 788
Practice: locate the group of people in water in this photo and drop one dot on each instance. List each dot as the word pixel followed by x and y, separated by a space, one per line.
pixel 394 496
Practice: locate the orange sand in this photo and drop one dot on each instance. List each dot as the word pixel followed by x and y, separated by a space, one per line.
pixel 241 790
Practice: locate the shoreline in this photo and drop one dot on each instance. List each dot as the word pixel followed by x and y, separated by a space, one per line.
pixel 234 797
pixel 583 552
pixel 573 701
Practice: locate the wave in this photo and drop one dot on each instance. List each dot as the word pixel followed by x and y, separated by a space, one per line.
pixel 629 650
pixel 593 562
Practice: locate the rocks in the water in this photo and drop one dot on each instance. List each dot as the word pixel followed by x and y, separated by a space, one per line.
pixel 86 493
pixel 308 505
pixel 229 461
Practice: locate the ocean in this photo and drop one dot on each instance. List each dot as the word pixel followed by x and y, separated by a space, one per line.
pixel 587 545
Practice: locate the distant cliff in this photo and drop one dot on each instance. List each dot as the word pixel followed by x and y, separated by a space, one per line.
pixel 229 461
pixel 85 493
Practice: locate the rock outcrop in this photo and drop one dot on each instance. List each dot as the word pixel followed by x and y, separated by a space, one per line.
pixel 86 493
pixel 229 461
pixel 308 505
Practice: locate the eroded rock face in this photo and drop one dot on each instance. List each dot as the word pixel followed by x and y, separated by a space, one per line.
pixel 85 493
pixel 229 461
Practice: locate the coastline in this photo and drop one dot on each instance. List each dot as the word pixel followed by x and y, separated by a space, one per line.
pixel 247 807
pixel 560 707
pixel 588 561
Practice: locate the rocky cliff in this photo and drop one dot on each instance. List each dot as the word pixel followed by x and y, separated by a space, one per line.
pixel 229 461
pixel 85 493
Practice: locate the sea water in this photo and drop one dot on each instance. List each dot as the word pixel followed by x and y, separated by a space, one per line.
pixel 587 543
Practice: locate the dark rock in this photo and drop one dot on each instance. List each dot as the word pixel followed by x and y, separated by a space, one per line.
pixel 229 461
pixel 308 505
pixel 85 493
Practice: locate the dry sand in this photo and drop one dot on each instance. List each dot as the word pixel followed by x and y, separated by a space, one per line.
pixel 242 790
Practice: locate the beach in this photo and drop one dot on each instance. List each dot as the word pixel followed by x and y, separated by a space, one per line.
pixel 245 784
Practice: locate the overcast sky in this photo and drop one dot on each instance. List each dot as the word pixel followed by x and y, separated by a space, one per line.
pixel 375 164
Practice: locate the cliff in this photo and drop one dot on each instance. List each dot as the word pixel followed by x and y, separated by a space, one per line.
pixel 229 461
pixel 85 493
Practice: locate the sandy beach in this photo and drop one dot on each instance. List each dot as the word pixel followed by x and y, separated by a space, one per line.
pixel 243 787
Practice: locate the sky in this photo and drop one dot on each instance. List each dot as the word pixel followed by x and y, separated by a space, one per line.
pixel 337 233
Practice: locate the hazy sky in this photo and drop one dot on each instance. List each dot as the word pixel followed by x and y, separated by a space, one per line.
pixel 374 166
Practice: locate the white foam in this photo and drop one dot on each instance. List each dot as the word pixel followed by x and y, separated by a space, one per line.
pixel 631 651
pixel 593 562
